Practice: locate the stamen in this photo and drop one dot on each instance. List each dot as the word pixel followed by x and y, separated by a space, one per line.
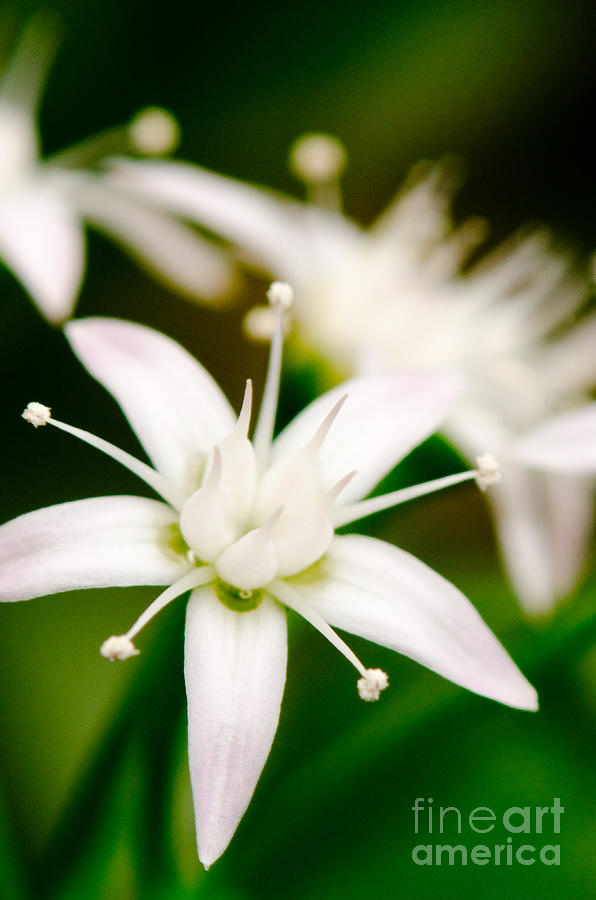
pixel 118 647
pixel 316 442
pixel 151 131
pixel 280 294
pixel 372 684
pixel 38 414
pixel 489 471
pixel 154 131
pixel 290 597
pixel 347 514
pixel 280 297
pixel 121 646
pixel 319 160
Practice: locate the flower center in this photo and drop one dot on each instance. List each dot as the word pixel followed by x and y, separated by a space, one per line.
pixel 237 600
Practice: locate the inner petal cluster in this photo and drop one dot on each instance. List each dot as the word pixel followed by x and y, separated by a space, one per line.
pixel 254 527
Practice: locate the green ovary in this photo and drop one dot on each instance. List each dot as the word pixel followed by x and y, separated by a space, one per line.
pixel 235 599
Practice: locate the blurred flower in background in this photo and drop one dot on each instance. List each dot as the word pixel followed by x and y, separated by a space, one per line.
pixel 43 203
pixel 410 292
pixel 564 443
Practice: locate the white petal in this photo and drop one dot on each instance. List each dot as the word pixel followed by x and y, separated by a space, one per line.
pixel 171 251
pixel 302 539
pixel 22 82
pixel 541 548
pixel 18 147
pixel 235 671
pixel 173 404
pixel 204 522
pixel 41 240
pixel 289 239
pixel 569 502
pixel 565 443
pixel 100 542
pixel 383 419
pixel 251 562
pixel 379 592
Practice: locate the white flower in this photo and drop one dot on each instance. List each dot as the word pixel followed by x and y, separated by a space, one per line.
pixel 395 295
pixel 248 527
pixel 43 203
pixel 565 443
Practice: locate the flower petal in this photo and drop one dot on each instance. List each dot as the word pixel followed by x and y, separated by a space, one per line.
pixel 173 252
pixel 565 443
pixel 100 542
pixel 383 418
pixel 569 519
pixel 289 239
pixel 375 590
pixel 542 529
pixel 235 672
pixel 41 240
pixel 172 403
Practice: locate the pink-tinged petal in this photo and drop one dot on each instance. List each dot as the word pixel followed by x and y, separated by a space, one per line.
pixel 100 542
pixel 375 590
pixel 41 240
pixel 171 251
pixel 235 671
pixel 285 237
pixel 175 407
pixel 542 526
pixel 518 504
pixel 382 420
pixel 569 518
pixel 565 443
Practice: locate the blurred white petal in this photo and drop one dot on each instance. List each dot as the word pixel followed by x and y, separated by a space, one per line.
pixel 101 542
pixel 235 669
pixel 569 519
pixel 285 237
pixel 171 251
pixel 379 592
pixel 522 529
pixel 41 240
pixel 565 443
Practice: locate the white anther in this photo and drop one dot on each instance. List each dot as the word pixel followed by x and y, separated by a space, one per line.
pixel 281 294
pixel 118 647
pixel 489 471
pixel 318 158
pixel 37 414
pixel 154 131
pixel 371 685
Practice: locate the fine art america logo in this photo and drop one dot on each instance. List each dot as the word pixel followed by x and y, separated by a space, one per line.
pixel 518 835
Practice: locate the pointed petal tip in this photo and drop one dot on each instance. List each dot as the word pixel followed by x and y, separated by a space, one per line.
pixel 524 698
